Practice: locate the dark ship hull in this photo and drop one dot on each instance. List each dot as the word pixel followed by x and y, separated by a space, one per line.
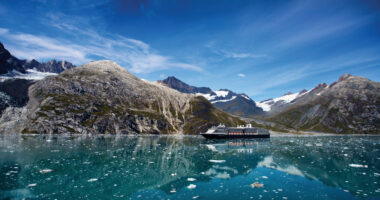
pixel 227 136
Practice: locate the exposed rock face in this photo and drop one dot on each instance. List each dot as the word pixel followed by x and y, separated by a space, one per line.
pixel 177 84
pixel 351 105
pixel 51 66
pixel 102 97
pixel 226 100
pixel 9 63
pixel 14 93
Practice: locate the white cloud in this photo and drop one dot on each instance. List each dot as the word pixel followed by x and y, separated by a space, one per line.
pixel 3 30
pixel 243 55
pixel 238 55
pixel 241 75
pixel 85 44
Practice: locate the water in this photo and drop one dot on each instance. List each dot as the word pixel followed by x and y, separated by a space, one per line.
pixel 152 167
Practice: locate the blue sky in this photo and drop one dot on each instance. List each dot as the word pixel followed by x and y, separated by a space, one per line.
pixel 261 48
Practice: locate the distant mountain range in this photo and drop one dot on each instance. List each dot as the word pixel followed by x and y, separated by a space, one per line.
pixel 11 64
pixel 224 99
pixel 103 97
pixel 351 105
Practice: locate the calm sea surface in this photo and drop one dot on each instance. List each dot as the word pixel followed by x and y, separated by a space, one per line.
pixel 165 167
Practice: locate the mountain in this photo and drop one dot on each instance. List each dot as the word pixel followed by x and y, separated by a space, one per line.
pixel 351 105
pixel 226 100
pixel 102 97
pixel 276 105
pixel 11 64
pixel 177 84
pixel 52 66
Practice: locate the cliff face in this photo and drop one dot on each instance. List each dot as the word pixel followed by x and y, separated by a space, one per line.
pixel 102 97
pixel 351 105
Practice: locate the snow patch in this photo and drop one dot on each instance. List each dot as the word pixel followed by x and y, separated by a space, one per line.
pixel 221 93
pixel 31 74
pixel 245 96
pixel 224 100
pixel 267 105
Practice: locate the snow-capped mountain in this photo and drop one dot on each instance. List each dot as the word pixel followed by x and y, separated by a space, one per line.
pixel 10 64
pixel 224 99
pixel 279 102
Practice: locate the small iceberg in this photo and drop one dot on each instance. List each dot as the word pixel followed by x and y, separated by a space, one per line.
pixel 44 171
pixel 257 185
pixel 358 165
pixel 191 179
pixel 191 186
pixel 217 161
pixel 92 180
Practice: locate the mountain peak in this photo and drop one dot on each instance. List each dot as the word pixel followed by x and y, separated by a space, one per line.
pixel 344 77
pixel 288 93
pixel 1 46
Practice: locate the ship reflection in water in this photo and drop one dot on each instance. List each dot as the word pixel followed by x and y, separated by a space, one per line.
pixel 153 167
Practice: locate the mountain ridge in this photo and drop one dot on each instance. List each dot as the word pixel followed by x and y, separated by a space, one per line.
pixel 224 99
pixel 103 97
pixel 351 105
pixel 8 62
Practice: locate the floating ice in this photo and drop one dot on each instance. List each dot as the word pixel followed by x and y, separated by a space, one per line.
pixel 44 171
pixel 191 186
pixel 191 179
pixel 217 161
pixel 92 180
pixel 358 165
pixel 32 184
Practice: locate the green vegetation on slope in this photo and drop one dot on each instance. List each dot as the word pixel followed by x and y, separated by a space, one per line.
pixel 202 115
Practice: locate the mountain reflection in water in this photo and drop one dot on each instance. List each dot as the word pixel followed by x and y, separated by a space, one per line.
pixel 162 167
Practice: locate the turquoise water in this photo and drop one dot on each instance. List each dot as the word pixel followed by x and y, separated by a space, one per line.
pixel 153 167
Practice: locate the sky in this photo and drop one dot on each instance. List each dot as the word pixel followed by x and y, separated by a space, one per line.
pixel 261 48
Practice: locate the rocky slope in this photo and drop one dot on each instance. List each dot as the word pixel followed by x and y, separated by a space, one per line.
pixel 102 97
pixel 226 100
pixel 9 63
pixel 351 105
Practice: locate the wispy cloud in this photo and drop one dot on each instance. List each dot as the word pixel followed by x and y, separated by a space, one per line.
pixel 231 54
pixel 242 55
pixel 241 75
pixel 88 44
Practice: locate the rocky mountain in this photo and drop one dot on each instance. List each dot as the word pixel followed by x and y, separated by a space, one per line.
pixel 351 105
pixel 14 93
pixel 177 84
pixel 226 100
pixel 102 97
pixel 9 64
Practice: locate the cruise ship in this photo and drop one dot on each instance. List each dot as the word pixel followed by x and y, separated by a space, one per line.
pixel 247 131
